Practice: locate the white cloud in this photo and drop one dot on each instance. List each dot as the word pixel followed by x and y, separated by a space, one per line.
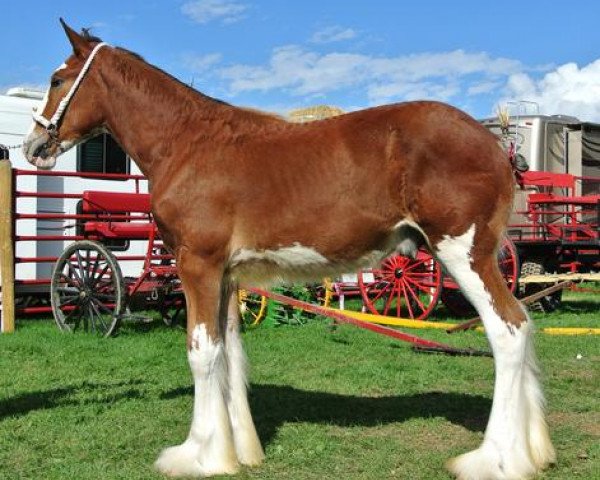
pixel 204 11
pixel 97 26
pixel 201 63
pixel 331 34
pixel 303 72
pixel 567 90
pixel 413 91
pixel 483 87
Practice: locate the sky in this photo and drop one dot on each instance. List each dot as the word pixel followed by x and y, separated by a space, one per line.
pixel 281 55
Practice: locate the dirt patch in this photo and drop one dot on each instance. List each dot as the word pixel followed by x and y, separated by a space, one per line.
pixel 588 422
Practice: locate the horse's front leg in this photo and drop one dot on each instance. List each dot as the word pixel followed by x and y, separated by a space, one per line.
pixel 247 445
pixel 209 448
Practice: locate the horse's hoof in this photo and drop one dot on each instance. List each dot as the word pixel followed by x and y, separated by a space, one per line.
pixel 486 463
pixel 179 461
pixel 184 461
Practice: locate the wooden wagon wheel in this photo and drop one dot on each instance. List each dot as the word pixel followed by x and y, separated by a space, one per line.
pixel 508 262
pixel 547 304
pixel 402 286
pixel 87 291
pixel 252 307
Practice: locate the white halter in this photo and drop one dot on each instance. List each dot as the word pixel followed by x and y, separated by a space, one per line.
pixel 52 124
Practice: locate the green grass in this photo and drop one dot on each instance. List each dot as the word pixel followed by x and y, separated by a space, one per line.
pixel 347 404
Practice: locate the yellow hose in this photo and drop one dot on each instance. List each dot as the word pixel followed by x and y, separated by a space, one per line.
pixel 570 331
pixel 424 324
pixel 394 321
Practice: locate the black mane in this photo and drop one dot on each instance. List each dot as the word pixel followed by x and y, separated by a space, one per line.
pixel 85 33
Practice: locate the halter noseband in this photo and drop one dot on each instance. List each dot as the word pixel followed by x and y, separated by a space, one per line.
pixel 51 125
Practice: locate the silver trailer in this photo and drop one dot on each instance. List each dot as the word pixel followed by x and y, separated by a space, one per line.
pixel 560 233
pixel 557 144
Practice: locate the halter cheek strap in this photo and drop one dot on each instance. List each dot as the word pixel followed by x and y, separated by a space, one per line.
pixel 52 125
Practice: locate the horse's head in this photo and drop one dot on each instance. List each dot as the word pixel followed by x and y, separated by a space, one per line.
pixel 69 112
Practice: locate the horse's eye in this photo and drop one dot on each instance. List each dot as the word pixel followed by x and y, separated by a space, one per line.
pixel 55 82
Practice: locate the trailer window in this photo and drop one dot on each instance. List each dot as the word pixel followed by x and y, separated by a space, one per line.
pixel 102 154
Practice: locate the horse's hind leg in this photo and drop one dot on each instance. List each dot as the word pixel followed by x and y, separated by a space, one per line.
pixel 209 448
pixel 516 443
pixel 247 445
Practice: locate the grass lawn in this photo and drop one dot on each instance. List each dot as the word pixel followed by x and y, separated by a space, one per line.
pixel 343 404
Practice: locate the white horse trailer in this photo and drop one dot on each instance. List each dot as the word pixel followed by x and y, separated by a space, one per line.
pixel 556 144
pixel 100 155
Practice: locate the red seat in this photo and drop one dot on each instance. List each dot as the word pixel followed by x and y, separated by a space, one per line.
pixel 549 179
pixel 106 204
pixel 550 198
pixel 115 202
pixel 129 230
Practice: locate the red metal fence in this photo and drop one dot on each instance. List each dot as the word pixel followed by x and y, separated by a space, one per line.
pixel 25 223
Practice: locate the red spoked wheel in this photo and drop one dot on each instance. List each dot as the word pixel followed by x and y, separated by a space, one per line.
pixel 402 287
pixel 508 262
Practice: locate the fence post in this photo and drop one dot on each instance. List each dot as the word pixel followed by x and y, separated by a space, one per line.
pixel 7 265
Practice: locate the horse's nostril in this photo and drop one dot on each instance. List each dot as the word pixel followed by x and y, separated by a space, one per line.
pixel 41 151
pixel 36 152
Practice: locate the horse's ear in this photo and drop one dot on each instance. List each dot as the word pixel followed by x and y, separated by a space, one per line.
pixel 80 45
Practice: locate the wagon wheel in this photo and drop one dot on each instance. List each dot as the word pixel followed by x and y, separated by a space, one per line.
pixel 252 307
pixel 402 287
pixel 173 312
pixel 508 262
pixel 547 304
pixel 87 290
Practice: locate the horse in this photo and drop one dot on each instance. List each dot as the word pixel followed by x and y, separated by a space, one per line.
pixel 244 196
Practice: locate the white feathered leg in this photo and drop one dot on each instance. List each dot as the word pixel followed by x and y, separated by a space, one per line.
pixel 516 442
pixel 247 444
pixel 209 448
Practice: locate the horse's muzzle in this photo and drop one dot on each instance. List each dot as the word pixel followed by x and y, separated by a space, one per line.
pixel 40 150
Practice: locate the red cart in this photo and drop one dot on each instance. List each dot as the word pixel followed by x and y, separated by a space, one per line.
pixel 88 290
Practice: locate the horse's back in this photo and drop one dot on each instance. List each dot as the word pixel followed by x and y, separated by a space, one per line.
pixel 446 167
pixel 410 135
pixel 407 156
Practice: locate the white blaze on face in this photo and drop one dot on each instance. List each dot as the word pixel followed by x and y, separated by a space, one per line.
pixel 33 140
pixel 39 109
pixel 42 106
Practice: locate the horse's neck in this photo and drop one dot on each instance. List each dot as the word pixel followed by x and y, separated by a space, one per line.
pixel 155 114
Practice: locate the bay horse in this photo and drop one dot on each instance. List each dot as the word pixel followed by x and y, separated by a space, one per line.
pixel 245 196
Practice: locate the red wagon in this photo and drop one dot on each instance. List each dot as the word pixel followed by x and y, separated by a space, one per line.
pixel 556 231
pixel 408 287
pixel 88 290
